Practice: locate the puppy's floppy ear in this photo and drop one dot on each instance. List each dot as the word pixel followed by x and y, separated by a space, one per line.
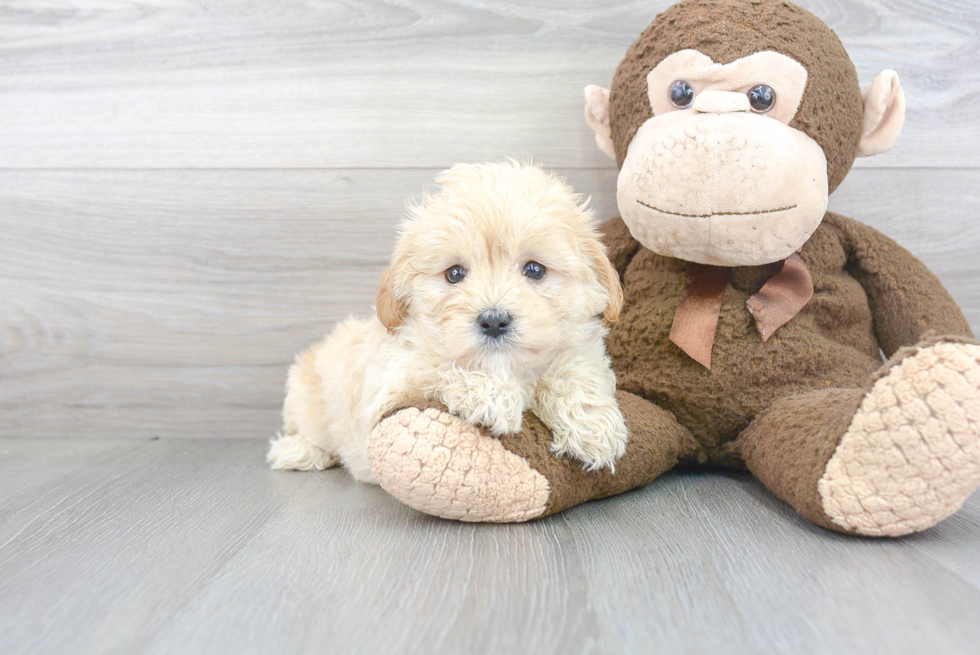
pixel 609 277
pixel 390 309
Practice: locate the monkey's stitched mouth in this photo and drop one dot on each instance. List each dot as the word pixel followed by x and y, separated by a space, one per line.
pixel 670 213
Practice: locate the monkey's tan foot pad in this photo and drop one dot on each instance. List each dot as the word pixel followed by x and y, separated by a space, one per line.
pixel 441 465
pixel 911 454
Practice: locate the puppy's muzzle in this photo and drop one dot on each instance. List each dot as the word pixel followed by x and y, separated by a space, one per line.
pixel 494 323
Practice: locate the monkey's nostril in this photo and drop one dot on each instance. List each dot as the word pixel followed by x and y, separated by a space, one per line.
pixel 494 322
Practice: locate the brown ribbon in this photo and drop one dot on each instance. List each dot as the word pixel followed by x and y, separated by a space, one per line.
pixel 696 319
pixel 781 297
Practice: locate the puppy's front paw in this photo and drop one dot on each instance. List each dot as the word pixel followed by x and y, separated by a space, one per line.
pixel 480 399
pixel 593 434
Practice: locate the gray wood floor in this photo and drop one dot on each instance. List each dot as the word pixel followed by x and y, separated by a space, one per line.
pixel 193 546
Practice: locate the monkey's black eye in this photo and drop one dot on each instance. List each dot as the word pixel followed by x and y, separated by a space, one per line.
pixel 681 94
pixel 455 274
pixel 762 98
pixel 534 270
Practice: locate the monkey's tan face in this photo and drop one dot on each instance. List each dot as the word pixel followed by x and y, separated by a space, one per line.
pixel 717 176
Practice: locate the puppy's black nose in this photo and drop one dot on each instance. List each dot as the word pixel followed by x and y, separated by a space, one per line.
pixel 494 322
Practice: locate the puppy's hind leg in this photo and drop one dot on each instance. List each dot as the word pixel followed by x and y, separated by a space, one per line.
pixel 301 445
pixel 292 452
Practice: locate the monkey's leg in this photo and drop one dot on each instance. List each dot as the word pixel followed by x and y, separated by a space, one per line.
pixel 891 459
pixel 439 464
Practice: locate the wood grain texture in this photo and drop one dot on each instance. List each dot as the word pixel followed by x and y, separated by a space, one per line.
pixel 170 303
pixel 414 83
pixel 184 546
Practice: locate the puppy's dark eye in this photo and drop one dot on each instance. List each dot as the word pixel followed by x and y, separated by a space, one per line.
pixel 681 94
pixel 534 270
pixel 455 274
pixel 762 97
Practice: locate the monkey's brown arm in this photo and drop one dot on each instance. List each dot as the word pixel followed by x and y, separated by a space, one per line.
pixel 620 244
pixel 908 302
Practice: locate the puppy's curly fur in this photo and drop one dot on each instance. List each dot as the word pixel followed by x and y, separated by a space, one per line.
pixel 426 339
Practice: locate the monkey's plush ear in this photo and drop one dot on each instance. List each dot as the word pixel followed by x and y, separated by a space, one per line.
pixel 884 114
pixel 597 116
pixel 390 309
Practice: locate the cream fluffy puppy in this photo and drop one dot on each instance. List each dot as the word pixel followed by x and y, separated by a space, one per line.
pixel 493 305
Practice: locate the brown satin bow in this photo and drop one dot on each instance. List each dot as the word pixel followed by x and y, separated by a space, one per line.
pixel 696 319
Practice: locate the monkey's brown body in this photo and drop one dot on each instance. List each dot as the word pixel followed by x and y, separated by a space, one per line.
pixel 831 343
pixel 708 94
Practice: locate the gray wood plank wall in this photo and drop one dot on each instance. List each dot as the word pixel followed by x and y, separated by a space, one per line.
pixel 192 191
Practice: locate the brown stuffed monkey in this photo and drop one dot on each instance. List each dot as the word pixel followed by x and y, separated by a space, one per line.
pixel 754 320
